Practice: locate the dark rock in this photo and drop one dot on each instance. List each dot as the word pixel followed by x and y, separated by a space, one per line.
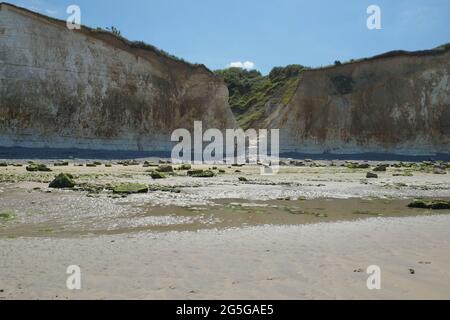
pixel 130 188
pixel 185 167
pixel 165 168
pixel 201 174
pixel 62 181
pixel 38 167
pixel 371 175
pixel 380 168
pixel 430 204
pixel 157 175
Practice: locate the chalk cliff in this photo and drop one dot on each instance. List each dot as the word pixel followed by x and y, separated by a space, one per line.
pixel 396 103
pixel 89 89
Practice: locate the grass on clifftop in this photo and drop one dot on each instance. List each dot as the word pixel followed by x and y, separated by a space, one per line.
pixel 251 93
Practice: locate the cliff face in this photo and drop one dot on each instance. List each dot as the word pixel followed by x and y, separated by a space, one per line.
pixel 91 90
pixel 398 103
pixel 395 103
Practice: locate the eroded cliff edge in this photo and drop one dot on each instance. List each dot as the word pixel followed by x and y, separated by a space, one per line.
pixel 89 89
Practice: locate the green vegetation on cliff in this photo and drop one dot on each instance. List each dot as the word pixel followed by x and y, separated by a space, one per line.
pixel 251 93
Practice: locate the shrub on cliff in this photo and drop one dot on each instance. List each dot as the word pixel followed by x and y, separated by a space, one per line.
pixel 250 91
pixel 282 73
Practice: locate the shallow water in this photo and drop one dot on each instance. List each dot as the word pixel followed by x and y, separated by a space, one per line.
pixel 71 214
pixel 296 196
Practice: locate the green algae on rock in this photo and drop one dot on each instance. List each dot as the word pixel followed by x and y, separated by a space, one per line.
pixel 38 167
pixel 430 204
pixel 185 167
pixel 130 188
pixel 201 173
pixel 61 164
pixel 165 168
pixel 7 216
pixel 157 175
pixel 371 175
pixel 62 181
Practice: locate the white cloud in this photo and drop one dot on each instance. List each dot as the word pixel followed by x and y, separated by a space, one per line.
pixel 248 65
pixel 51 12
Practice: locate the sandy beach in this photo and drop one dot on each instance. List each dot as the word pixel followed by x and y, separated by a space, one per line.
pixel 309 232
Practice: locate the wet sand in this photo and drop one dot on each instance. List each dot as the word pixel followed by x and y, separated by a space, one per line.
pixel 298 262
pixel 308 232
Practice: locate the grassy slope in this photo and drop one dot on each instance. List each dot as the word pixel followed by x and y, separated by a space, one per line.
pixel 251 93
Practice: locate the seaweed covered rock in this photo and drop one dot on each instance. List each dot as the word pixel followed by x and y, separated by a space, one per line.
pixel 61 164
pixel 130 188
pixel 7 216
pixel 185 167
pixel 38 167
pixel 430 204
pixel 380 168
pixel 62 181
pixel 165 168
pixel 371 175
pixel 157 175
pixel 194 172
pixel 201 173
pixel 355 165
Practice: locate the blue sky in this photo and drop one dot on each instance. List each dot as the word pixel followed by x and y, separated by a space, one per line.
pixel 267 33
